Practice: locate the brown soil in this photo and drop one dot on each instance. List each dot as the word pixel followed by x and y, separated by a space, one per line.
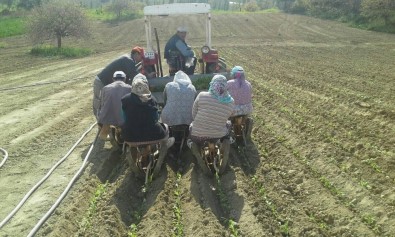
pixel 321 162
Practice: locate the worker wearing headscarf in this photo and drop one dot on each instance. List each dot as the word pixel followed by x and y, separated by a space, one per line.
pixel 211 110
pixel 241 91
pixel 179 96
pixel 141 114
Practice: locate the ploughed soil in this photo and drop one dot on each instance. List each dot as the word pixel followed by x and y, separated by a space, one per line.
pixel 321 161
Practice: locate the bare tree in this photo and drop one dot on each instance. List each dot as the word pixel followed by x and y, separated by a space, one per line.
pixel 57 19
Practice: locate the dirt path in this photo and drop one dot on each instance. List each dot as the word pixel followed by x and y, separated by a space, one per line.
pixel 321 162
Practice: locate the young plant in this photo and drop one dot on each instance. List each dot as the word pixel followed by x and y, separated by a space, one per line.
pixel 224 203
pixel 137 215
pixel 86 221
pixel 177 212
pixel 370 220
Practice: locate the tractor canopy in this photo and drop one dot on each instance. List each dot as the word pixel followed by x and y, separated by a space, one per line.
pixel 176 9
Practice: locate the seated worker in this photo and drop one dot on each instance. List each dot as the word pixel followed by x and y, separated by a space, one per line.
pixel 126 64
pixel 178 54
pixel 140 111
pixel 210 112
pixel 110 111
pixel 178 96
pixel 241 91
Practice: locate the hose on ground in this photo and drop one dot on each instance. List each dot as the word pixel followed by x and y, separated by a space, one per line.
pixel 4 158
pixel 63 195
pixel 12 213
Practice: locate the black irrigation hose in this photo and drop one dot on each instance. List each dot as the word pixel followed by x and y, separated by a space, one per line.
pixel 40 84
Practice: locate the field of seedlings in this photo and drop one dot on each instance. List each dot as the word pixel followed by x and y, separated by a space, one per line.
pixel 321 161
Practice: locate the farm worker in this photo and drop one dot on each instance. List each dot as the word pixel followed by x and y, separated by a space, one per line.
pixel 178 96
pixel 125 63
pixel 141 115
pixel 110 110
pixel 241 91
pixel 210 112
pixel 178 54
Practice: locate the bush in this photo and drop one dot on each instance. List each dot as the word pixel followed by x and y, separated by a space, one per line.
pixel 251 6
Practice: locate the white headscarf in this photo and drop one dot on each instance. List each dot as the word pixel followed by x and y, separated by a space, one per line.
pixel 182 78
pixel 140 87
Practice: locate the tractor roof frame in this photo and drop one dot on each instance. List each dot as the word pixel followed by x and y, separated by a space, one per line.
pixel 176 9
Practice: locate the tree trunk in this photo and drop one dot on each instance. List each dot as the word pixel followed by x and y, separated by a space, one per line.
pixel 59 39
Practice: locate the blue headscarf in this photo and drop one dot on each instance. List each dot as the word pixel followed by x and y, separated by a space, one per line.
pixel 238 74
pixel 219 89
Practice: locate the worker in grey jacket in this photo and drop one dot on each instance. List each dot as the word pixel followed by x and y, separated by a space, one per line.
pixel 110 110
pixel 126 63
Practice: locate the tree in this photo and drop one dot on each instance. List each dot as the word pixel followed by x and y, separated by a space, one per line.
pixel 379 9
pixel 57 20
pixel 285 5
pixel 8 3
pixel 118 6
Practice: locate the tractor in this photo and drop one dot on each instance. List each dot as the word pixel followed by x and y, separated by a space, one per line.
pixel 208 59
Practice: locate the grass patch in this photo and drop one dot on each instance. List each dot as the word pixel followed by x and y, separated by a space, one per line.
pixel 66 52
pixel 2 45
pixel 10 26
pixel 99 14
pixel 103 15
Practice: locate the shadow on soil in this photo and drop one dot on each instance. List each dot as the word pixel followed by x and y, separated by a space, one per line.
pixel 247 158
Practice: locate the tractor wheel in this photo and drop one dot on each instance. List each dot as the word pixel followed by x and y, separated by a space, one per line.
pixel 200 160
pixel 131 157
pixel 159 162
pixel 225 147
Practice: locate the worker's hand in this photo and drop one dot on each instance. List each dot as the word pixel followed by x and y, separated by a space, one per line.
pixel 151 75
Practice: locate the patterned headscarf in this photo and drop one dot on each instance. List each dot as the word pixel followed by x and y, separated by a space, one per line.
pixel 219 89
pixel 140 87
pixel 238 74
pixel 182 78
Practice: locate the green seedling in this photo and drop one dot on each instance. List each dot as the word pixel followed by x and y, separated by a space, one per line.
pixel 224 203
pixel 178 229
pixel 137 215
pixel 91 212
pixel 284 228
